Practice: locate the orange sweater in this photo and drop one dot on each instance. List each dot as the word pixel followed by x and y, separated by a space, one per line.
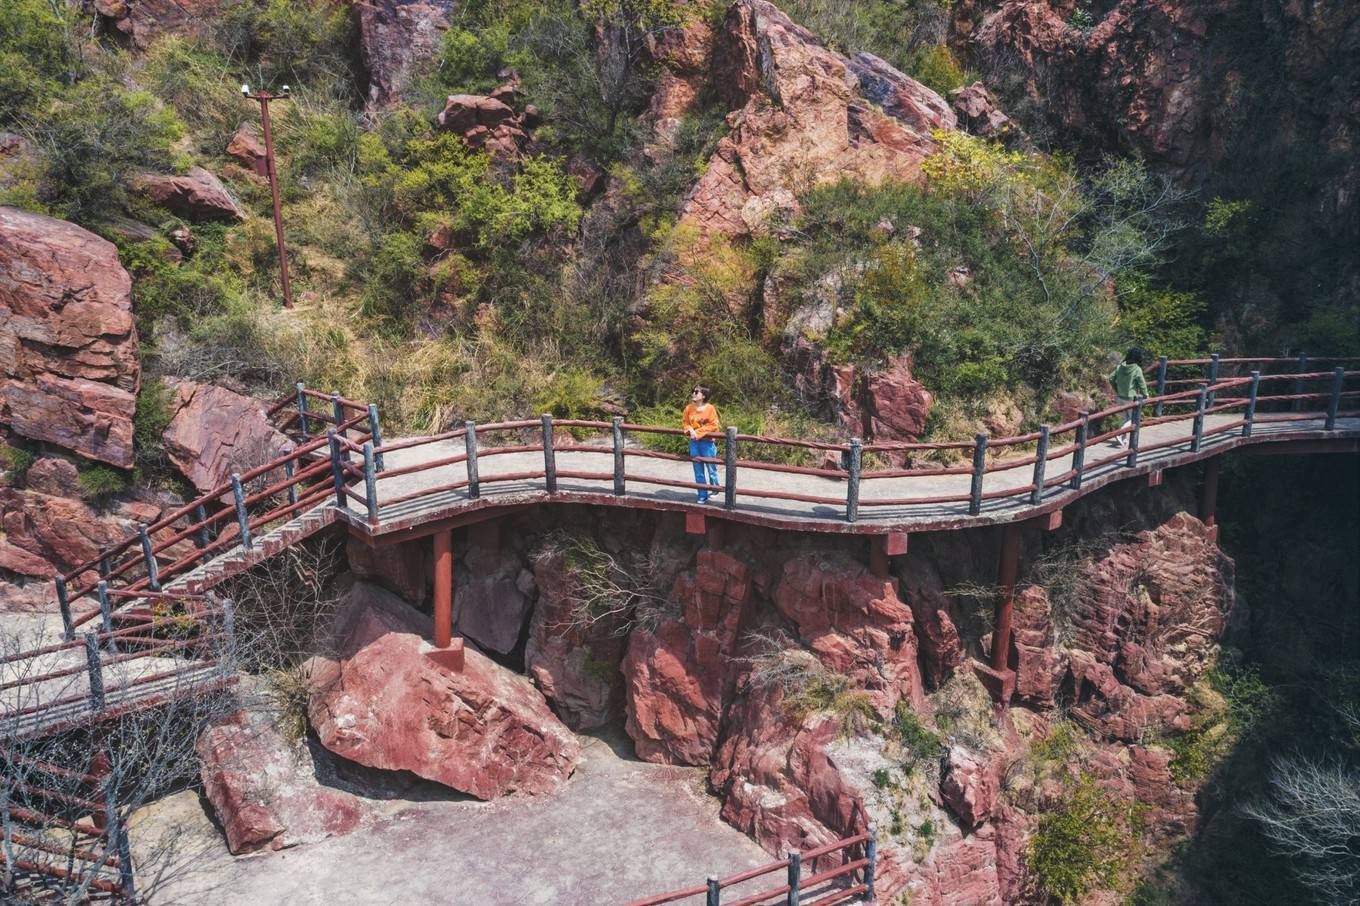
pixel 702 419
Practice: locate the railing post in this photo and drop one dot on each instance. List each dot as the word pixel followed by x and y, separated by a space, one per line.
pixel 1079 455
pixel 616 425
pixel 238 496
pixel 105 613
pixel 1040 466
pixel 1250 418
pixel 105 567
pixel 470 447
pixel 549 457
pixel 852 484
pixel 714 893
pixel 337 471
pixel 153 577
pixel 1161 385
pixel 289 472
pixel 370 484
pixel 730 469
pixel 1136 416
pixel 1213 375
pixel 1334 403
pixel 1298 382
pixel 338 413
pixel 118 840
pixel 871 853
pixel 95 670
pixel 302 409
pixel 795 876
pixel 63 602
pixel 1198 438
pixel 201 517
pixel 375 432
pixel 979 467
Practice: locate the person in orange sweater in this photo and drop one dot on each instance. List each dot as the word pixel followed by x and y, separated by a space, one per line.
pixel 700 421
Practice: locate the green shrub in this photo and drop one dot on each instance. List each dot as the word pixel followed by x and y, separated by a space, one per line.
pixel 572 392
pixel 201 86
pixel 919 744
pixel 37 55
pixel 896 30
pixel 293 41
pixel 1083 843
pixel 99 482
pixel 16 461
pixel 936 68
pixel 1227 701
pixel 155 408
pixel 1081 18
pixel 1164 322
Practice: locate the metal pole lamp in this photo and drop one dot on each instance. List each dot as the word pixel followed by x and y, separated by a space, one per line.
pixel 264 97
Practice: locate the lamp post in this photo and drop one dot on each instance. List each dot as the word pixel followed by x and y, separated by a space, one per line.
pixel 264 97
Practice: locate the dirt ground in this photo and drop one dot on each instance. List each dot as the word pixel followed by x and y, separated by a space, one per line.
pixel 620 829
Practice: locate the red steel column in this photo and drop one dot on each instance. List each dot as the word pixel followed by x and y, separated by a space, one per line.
pixel 1209 500
pixel 443 588
pixel 1010 565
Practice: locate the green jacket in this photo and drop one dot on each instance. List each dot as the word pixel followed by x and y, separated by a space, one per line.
pixel 1129 382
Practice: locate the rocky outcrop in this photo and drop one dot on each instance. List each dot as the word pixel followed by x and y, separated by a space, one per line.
pixel 486 122
pixel 139 22
pixel 197 195
pixel 397 38
pixel 884 404
pixel 1038 665
pixel 264 789
pixel 970 786
pixel 400 568
pixel 215 432
pixel 896 405
pixel 387 700
pixel 683 55
pixel 247 149
pixel 68 347
pixel 979 114
pixel 492 599
pixel 802 114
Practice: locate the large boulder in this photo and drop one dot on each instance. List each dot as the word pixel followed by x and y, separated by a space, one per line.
pixel 264 789
pixel 139 22
pixel 978 113
pixel 970 786
pixel 387 699
pixel 397 38
pixel 485 121
pixel 896 405
pixel 197 195
pixel 68 346
pixel 215 432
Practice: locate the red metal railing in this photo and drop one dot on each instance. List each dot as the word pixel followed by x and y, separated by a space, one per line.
pixel 848 875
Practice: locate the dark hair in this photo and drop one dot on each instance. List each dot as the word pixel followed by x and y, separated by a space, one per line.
pixel 1134 356
pixel 704 390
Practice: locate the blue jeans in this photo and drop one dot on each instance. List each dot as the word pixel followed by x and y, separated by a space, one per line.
pixel 709 449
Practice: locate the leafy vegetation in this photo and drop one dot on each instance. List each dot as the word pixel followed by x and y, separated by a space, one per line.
pixel 100 482
pixel 1228 701
pixel 1083 843
pixel 15 461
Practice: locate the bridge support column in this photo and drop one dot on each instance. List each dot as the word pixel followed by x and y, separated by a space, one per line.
pixel 1007 572
pixel 451 650
pixel 1208 500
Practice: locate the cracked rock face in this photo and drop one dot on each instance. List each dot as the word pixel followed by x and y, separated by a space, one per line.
pixel 68 346
pixel 215 432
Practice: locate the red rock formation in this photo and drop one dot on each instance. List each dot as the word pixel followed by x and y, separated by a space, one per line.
pixel 385 702
pixel 684 57
pixel 970 786
pixel 492 600
pixel 215 432
pixel 400 568
pixel 1038 665
pixel 68 347
pixel 197 195
pixel 140 22
pixel 246 147
pixel 484 122
pixel 397 38
pixel 896 405
pixel 264 790
pixel 42 535
pixel 675 679
pixel 978 113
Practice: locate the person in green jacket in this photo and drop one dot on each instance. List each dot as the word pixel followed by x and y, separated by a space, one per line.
pixel 1129 385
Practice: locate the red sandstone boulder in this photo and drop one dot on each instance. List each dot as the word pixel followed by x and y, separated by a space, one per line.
pixel 247 149
pixel 674 679
pixel 68 348
pixel 896 404
pixel 400 568
pixel 941 648
pixel 197 195
pixel 978 113
pixel 215 432
pixel 484 122
pixel 1038 665
pixel 574 662
pixel 962 872
pixel 53 475
pixel 683 55
pixel 386 700
pixel 970 786
pixel 264 789
pixel 139 22
pixel 901 97
pixel 42 535
pixel 397 38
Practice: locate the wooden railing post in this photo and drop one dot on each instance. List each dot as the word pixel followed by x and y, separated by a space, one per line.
pixel 1298 382
pixel 714 897
pixel 153 576
pixel 1198 436
pixel 1040 465
pixel 1250 418
pixel 238 496
pixel 470 447
pixel 64 603
pixel 1212 376
pixel 1079 455
pixel 201 517
pixel 795 876
pixel 375 432
pixel 979 468
pixel 1161 385
pixel 852 484
pixel 1136 416
pixel 95 670
pixel 116 833
pixel 616 424
pixel 338 413
pixel 370 484
pixel 302 409
pixel 1334 403
pixel 871 853
pixel 289 473
pixel 337 471
pixel 105 567
pixel 730 469
pixel 105 613
pixel 549 457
